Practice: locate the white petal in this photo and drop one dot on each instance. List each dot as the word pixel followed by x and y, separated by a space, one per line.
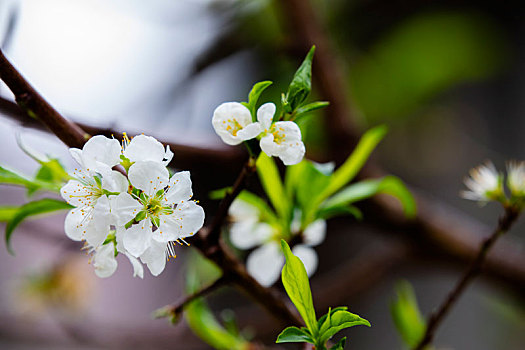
pixel 315 233
pixel 125 208
pixel 293 153
pixel 77 155
pixel 104 261
pixel 120 231
pixel 228 118
pixel 248 234
pixel 168 156
pixel 308 256
pixel 250 131
pixel 265 263
pixel 155 257
pixel 148 176
pixel 241 210
pixel 137 238
pixel 78 194
pixel 101 149
pixel 102 217
pixel 187 219
pixel 265 115
pixel 138 270
pixel 72 225
pixel 290 129
pixel 115 182
pixel 180 187
pixel 268 146
pixel 143 148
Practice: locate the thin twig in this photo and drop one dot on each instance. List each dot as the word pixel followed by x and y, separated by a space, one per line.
pixel 435 319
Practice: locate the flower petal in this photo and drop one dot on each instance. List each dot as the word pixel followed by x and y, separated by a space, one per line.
pixel 268 146
pixel 308 256
pixel 155 257
pixel 138 270
pixel 265 263
pixel 315 233
pixel 293 153
pixel 125 208
pixel 148 176
pixel 248 234
pixel 144 148
pixel 104 261
pixel 228 119
pixel 265 115
pixel 250 131
pixel 186 220
pixel 76 154
pixel 179 187
pixel 168 156
pixel 72 225
pixel 137 238
pixel 78 194
pixel 115 182
pixel 101 149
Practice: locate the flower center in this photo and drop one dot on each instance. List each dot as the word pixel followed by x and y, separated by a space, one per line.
pixel 233 126
pixel 278 135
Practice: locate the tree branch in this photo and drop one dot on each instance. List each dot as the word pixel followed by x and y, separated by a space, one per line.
pixel 435 319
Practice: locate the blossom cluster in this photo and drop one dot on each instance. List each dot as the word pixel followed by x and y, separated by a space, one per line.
pixel 142 214
pixel 233 122
pixel 265 262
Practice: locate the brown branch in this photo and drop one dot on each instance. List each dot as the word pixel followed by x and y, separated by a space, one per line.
pixel 435 319
pixel 34 104
pixel 36 107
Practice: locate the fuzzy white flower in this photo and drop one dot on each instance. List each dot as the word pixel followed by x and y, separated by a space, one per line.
pixel 105 262
pixel 164 204
pixel 484 183
pixel 279 139
pixel 142 148
pixel 233 123
pixel 266 261
pixel 91 218
pixel 516 177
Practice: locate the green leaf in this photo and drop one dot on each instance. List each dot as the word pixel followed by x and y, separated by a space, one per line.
pixel 340 320
pixel 220 193
pixel 11 178
pixel 304 110
pixel 323 318
pixel 390 185
pixel 309 185
pixel 346 172
pixel 52 171
pixel 294 335
pixel 272 184
pixel 331 212
pixel 301 84
pixel 204 324
pixel 406 315
pixel 7 213
pixel 340 344
pixel 254 95
pixel 41 206
pixel 297 286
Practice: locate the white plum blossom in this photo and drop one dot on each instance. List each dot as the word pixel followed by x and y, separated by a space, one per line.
pixel 266 261
pixel 142 148
pixel 516 177
pixel 140 215
pixel 164 204
pixel 233 123
pixel 484 183
pixel 91 219
pixel 280 139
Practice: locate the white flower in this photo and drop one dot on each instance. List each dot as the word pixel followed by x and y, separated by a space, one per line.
pixel 265 262
pixel 164 203
pixel 142 148
pixel 91 219
pixel 516 177
pixel 233 123
pixel 484 183
pixel 104 260
pixel 280 139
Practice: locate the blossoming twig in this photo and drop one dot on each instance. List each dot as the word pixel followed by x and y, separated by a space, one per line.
pixel 435 319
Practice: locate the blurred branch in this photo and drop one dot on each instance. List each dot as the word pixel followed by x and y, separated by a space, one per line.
pixel 435 319
pixel 73 136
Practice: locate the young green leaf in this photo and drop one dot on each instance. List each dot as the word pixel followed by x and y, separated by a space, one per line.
pixel 406 315
pixel 340 320
pixel 332 212
pixel 272 184
pixel 52 171
pixel 220 193
pixel 330 312
pixel 311 183
pixel 301 84
pixel 365 189
pixel 7 213
pixel 297 286
pixel 254 95
pixel 309 108
pixel 294 335
pixel 10 178
pixel 41 206
pixel 340 344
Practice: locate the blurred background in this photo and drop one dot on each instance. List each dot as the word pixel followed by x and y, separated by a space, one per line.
pixel 447 77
